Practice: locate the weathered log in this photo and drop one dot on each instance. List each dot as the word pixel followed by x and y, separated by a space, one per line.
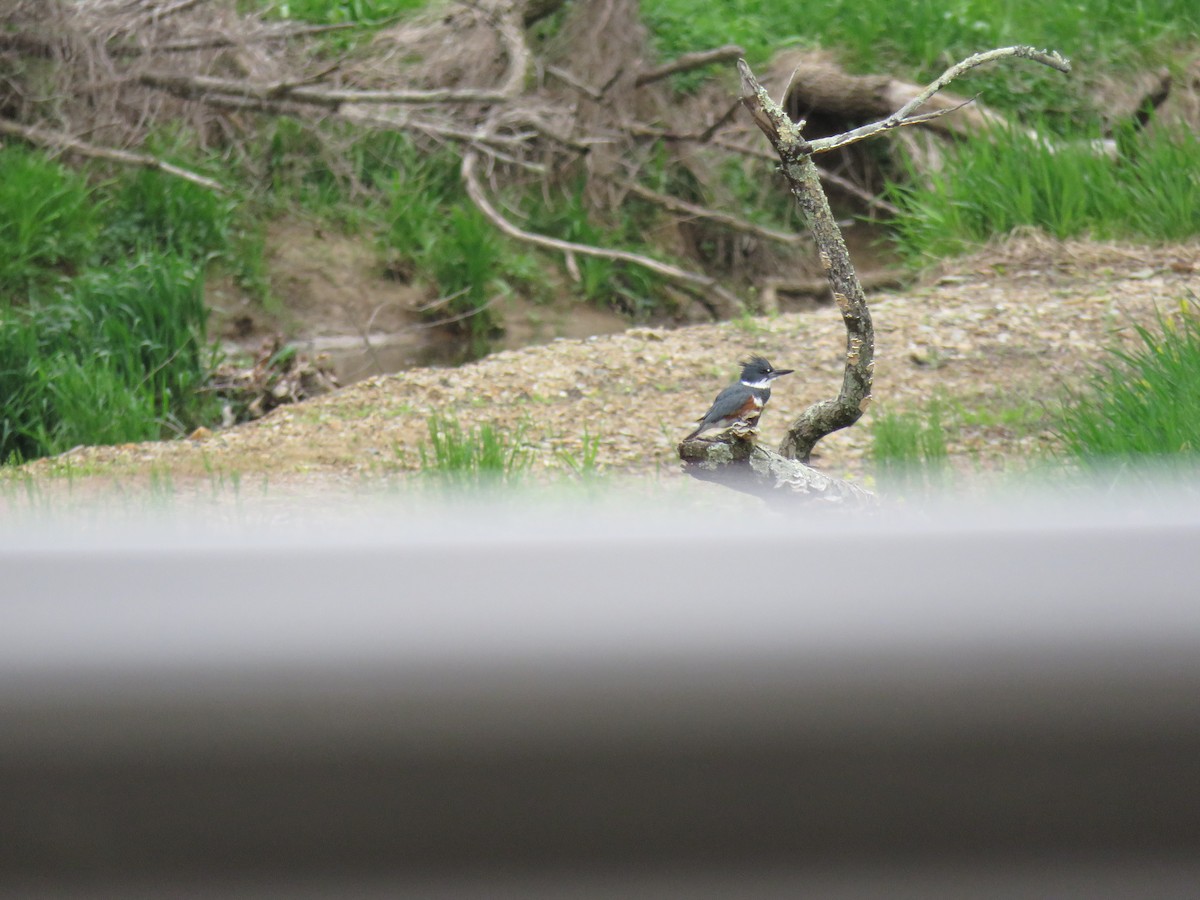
pixel 739 463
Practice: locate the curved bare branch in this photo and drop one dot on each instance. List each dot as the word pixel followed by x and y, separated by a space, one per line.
pixel 729 303
pixel 904 115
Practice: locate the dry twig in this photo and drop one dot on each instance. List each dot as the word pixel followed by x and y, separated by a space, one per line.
pixel 58 140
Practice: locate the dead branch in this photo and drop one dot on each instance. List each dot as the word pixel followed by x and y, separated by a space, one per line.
pixel 572 82
pixel 771 288
pixel 906 114
pixel 202 87
pixel 676 205
pixel 729 303
pixel 157 13
pixel 687 62
pixel 705 458
pixel 795 154
pixel 743 465
pixel 844 184
pixel 61 141
pixel 216 42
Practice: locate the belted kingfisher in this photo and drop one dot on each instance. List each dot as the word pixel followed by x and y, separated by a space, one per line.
pixel 743 401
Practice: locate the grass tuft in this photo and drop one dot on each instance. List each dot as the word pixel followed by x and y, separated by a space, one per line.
pixel 909 450
pixel 117 356
pixel 1014 180
pixel 48 222
pixel 1144 403
pixel 472 458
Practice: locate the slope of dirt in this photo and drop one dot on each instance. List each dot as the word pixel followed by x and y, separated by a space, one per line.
pixel 333 299
pixel 1003 333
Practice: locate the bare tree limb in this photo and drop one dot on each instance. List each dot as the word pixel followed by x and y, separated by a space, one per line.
pixel 844 184
pixel 59 140
pixel 157 13
pixel 729 303
pixel 677 205
pixel 571 81
pixel 795 154
pixel 905 114
pixel 215 42
pixel 732 457
pixel 743 465
pixel 201 86
pixel 508 23
pixel 687 62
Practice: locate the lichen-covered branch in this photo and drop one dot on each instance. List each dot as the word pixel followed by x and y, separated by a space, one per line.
pixel 741 464
pixel 795 155
pixel 734 459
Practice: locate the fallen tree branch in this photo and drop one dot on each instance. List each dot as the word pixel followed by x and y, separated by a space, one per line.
pixel 57 140
pixel 157 13
pixel 741 464
pixel 200 87
pixel 687 62
pixel 702 137
pixel 729 303
pixel 508 25
pixel 675 204
pixel 771 288
pixel 216 42
pixel 572 82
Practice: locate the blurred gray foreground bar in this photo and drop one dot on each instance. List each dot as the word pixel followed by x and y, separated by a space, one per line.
pixel 512 703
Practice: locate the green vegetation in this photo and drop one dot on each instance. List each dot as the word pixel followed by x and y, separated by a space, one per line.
pixel 117 356
pixel 332 12
pixel 909 450
pixel 585 465
pixel 1013 179
pixel 103 334
pixel 118 351
pixel 435 233
pixel 1144 403
pixel 48 222
pixel 920 39
pixel 477 457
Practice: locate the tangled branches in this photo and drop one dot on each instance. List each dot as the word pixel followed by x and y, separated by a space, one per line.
pixel 585 110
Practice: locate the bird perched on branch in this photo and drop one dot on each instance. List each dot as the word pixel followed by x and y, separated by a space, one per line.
pixel 742 402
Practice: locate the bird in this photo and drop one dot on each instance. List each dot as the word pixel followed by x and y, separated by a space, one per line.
pixel 742 402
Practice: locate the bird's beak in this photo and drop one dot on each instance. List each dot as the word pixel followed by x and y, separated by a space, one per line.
pixel 779 372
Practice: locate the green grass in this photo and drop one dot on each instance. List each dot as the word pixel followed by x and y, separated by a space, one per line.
pixel 49 224
pixel 117 356
pixel 909 449
pixel 606 283
pixel 153 209
pixel 989 187
pixel 435 234
pixel 921 38
pixel 1143 403
pixel 476 457
pixel 330 12
pixel 584 465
